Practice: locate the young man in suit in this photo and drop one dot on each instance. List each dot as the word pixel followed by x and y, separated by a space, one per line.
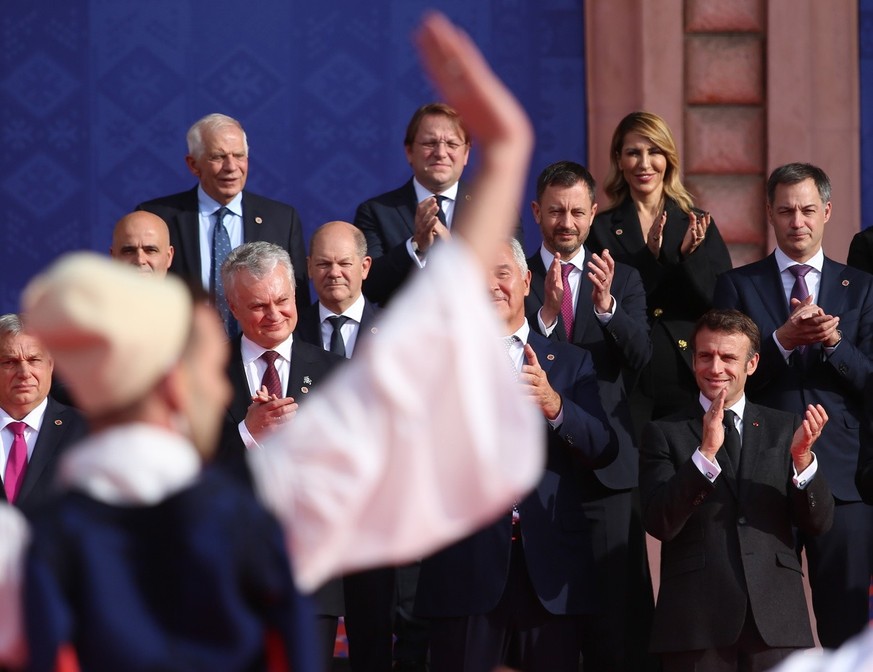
pixel 816 318
pixel 585 298
pixel 36 428
pixel 402 225
pixel 218 156
pixel 723 486
pixel 529 577
pixel 270 372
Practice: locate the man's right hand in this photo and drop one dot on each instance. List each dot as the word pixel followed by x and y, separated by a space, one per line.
pixel 428 226
pixel 268 412
pixel 806 325
pixel 713 428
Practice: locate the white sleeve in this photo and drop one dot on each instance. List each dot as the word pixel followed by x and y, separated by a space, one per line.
pixel 421 438
pixel 15 535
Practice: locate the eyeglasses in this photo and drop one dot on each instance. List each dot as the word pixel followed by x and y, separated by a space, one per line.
pixel 452 146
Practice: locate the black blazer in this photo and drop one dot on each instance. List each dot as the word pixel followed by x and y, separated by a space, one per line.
pixel 861 251
pixel 729 543
pixel 388 221
pixel 619 351
pixel 263 219
pixel 835 381
pixel 678 291
pixel 562 545
pixel 62 426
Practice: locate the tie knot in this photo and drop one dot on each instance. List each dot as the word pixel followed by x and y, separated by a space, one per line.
pixel 440 200
pixel 509 341
pixel 730 419
pixel 220 214
pixel 799 270
pixel 270 356
pixel 337 321
pixel 17 428
pixel 566 269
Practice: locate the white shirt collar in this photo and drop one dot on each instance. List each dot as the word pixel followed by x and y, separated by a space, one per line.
pixel 250 351
pixel 784 261
pixel 209 205
pixel 739 408
pixel 138 464
pixel 422 193
pixel 354 311
pixel 578 260
pixel 32 419
pixel 522 332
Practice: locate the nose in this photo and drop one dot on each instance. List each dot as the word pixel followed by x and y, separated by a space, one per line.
pixel 645 159
pixel 140 257
pixel 230 163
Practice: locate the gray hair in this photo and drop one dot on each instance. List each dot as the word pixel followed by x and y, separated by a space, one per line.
pixel 792 173
pixel 258 258
pixel 210 123
pixel 10 325
pixel 518 255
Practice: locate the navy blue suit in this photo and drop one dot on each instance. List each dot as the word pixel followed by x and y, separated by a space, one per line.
pixel 620 350
pixel 388 221
pixel 263 219
pixel 835 381
pixel 561 540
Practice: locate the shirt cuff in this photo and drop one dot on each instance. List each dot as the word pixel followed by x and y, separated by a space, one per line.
pixel 710 470
pixel 246 436
pixel 559 419
pixel 546 331
pixel 604 318
pixel 785 353
pixel 415 258
pixel 804 478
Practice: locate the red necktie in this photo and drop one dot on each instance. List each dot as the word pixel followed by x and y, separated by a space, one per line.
pixel 16 462
pixel 271 375
pixel 567 301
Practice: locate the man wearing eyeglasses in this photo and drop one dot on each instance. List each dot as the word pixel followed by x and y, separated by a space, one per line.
pixel 402 225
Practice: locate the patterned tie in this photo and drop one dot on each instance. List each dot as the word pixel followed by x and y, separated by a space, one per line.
pixel 732 439
pixel 271 376
pixel 508 343
pixel 441 215
pixel 337 345
pixel 800 291
pixel 220 250
pixel 16 462
pixel 567 301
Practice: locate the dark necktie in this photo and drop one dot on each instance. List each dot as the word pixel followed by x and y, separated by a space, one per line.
pixel 799 291
pixel 220 250
pixel 271 376
pixel 732 439
pixel 441 215
pixel 16 462
pixel 567 301
pixel 337 345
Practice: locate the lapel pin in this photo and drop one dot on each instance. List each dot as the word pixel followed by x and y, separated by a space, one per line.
pixel 845 283
pixel 618 232
pixel 683 344
pixel 374 330
pixel 756 424
pixel 468 197
pixel 550 356
pixel 307 380
pixel 59 422
pixel 258 220
pixel 304 389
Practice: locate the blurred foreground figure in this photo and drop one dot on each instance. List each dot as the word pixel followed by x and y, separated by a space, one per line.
pixel 389 427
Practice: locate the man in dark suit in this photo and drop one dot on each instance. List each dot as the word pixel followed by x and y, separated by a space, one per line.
pixel 861 251
pixel 218 156
pixel 36 428
pixel 270 372
pixel 606 306
pixel 514 592
pixel 401 225
pixel 338 264
pixel 723 500
pixel 816 317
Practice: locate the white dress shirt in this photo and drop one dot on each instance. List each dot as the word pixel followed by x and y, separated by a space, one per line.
pixel 349 330
pixel 233 222
pixel 33 420
pixel 255 367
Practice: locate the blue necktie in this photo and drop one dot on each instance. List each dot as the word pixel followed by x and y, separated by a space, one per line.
pixel 220 250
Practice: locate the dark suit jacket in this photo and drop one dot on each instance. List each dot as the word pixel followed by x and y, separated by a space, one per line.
pixel 729 542
pixel 388 221
pixel 619 351
pixel 263 219
pixel 560 544
pixel 309 328
pixel 678 291
pixel 861 251
pixel 836 381
pixel 61 427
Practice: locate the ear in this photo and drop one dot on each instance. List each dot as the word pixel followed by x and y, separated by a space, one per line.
pixel 827 211
pixel 527 283
pixel 365 266
pixel 191 162
pixel 535 209
pixel 170 252
pixel 752 364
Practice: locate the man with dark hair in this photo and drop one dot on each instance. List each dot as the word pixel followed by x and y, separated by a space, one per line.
pixel 816 320
pixel 402 225
pixel 587 299
pixel 723 485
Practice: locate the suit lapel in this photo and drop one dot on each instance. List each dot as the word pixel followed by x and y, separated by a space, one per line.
pixel 406 207
pixel 751 446
pixel 625 228
pixel 833 288
pixel 768 284
pixel 189 233
pixel 47 443
pixel 242 397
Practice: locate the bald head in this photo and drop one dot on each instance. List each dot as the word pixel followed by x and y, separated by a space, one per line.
pixel 337 264
pixel 142 239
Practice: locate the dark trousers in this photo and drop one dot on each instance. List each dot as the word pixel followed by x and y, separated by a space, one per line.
pixel 369 598
pixel 518 632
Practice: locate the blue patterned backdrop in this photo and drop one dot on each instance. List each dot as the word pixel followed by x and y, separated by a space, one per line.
pixel 96 96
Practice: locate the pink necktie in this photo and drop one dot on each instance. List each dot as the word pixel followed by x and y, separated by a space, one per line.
pixel 567 301
pixel 799 290
pixel 271 375
pixel 16 462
